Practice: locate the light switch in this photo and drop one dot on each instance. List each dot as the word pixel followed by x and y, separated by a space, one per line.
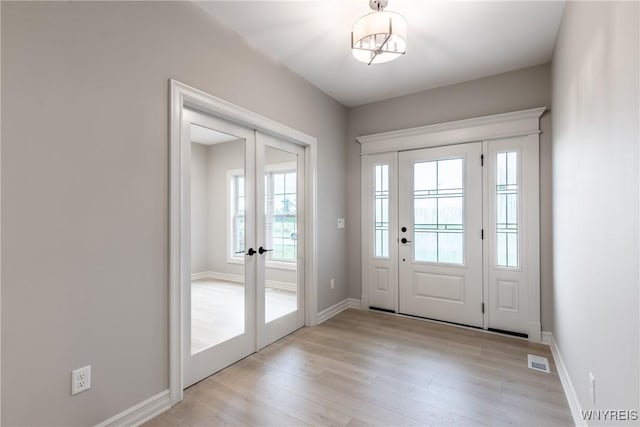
pixel 340 222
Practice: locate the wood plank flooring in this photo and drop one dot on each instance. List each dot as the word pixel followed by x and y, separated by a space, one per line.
pixel 365 368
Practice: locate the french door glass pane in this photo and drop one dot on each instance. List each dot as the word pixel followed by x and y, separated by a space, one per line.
pixel 281 233
pixel 507 193
pixel 217 286
pixel 438 211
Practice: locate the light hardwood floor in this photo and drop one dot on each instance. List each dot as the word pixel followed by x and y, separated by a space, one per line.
pixel 217 310
pixel 366 368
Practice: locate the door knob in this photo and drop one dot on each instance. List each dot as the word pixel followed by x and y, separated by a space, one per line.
pixel 262 250
pixel 404 240
pixel 251 251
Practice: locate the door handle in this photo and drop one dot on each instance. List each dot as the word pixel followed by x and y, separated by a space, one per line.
pixel 251 251
pixel 404 240
pixel 262 250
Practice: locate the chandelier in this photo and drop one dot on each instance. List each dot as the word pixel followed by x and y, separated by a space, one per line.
pixel 379 36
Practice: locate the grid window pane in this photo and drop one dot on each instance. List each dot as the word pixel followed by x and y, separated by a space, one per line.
pixel 507 207
pixel 381 210
pixel 450 248
pixel 438 211
pixel 450 174
pixel 425 176
pixel 282 215
pixel 426 247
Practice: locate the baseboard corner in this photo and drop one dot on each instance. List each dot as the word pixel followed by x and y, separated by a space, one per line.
pixel 354 303
pixel 140 413
pixel 328 313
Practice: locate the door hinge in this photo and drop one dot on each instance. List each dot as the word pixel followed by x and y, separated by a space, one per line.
pixel 482 234
pixel 481 159
pixel 482 308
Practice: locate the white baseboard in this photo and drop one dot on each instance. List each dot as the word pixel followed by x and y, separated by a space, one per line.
pixel 282 286
pixel 354 303
pixel 546 338
pixel 201 275
pixel 567 385
pixel 235 278
pixel 140 413
pixel 328 313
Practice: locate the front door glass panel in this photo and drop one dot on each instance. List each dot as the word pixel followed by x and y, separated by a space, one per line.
pixel 438 211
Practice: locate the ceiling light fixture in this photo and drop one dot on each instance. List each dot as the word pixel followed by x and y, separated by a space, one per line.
pixel 379 36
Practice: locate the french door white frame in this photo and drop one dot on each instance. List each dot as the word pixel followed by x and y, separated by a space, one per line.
pixel 523 128
pixel 181 96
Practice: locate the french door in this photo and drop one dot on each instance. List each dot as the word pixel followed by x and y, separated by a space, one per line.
pixel 440 233
pixel 243 286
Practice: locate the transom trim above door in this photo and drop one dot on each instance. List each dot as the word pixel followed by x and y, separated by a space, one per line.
pixel 453 233
pixel 525 122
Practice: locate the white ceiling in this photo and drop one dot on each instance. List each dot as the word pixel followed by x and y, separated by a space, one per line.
pixel 448 41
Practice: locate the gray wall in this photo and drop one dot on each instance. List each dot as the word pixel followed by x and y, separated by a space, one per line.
pixel 85 191
pixel 199 208
pixel 516 90
pixel 595 75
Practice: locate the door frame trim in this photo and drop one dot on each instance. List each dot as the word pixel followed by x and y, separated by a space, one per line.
pixel 478 129
pixel 180 96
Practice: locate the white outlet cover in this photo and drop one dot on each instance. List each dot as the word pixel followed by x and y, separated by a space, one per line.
pixel 80 379
pixel 340 222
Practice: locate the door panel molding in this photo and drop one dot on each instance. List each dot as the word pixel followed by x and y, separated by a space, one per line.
pixel 183 96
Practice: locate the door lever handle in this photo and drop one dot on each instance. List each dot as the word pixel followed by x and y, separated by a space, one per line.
pixel 251 251
pixel 262 250
pixel 404 240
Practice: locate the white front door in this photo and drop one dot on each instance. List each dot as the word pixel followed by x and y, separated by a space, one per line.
pixel 440 233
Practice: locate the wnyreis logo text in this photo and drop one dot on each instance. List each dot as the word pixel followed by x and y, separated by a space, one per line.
pixel 610 415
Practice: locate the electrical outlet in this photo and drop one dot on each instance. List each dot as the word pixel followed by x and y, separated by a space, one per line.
pixel 80 379
pixel 592 388
pixel 340 222
pixel 333 283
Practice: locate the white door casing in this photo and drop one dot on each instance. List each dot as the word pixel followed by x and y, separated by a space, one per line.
pixel 443 283
pixel 519 309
